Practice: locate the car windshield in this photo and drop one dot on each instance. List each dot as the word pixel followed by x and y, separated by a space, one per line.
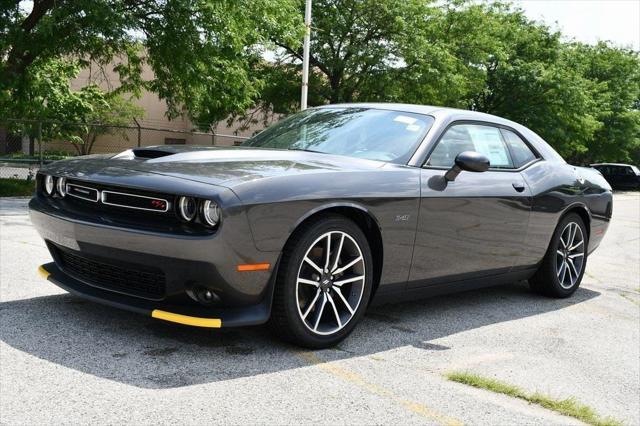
pixel 373 134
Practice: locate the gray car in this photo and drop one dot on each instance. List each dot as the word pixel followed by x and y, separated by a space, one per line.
pixel 318 216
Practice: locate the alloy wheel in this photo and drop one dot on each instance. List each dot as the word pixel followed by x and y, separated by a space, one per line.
pixel 570 255
pixel 330 282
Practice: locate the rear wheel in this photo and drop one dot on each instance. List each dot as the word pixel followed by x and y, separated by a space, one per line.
pixel 563 266
pixel 324 283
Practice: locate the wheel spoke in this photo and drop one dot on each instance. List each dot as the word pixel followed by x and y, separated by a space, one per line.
pixel 563 271
pixel 573 228
pixel 320 312
pixel 338 253
pixel 309 282
pixel 339 293
pixel 564 244
pixel 578 244
pixel 568 269
pixel 313 264
pixel 348 265
pixel 348 280
pixel 328 253
pixel 573 267
pixel 572 256
pixel 335 310
pixel 560 252
pixel 311 305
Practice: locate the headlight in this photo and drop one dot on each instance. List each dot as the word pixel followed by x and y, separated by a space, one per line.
pixel 62 186
pixel 210 213
pixel 187 208
pixel 48 184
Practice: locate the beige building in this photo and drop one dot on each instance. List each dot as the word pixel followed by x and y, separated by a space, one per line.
pixel 153 128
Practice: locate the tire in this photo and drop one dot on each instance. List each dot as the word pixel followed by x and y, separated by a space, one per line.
pixel 313 307
pixel 562 268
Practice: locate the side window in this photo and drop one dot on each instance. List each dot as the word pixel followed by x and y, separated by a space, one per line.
pixel 486 140
pixel 520 151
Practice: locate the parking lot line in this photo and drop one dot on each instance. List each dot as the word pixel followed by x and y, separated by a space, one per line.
pixel 357 380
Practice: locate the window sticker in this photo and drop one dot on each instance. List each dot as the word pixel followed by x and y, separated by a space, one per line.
pixel 487 141
pixel 404 119
pixel 413 128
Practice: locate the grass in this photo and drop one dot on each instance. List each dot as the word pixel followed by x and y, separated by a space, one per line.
pixel 16 187
pixel 630 299
pixel 568 407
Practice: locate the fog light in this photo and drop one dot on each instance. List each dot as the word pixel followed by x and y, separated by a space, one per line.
pixel 210 213
pixel 187 208
pixel 48 184
pixel 203 295
pixel 62 186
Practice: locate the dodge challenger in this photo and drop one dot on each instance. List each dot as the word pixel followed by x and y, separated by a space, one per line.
pixel 311 221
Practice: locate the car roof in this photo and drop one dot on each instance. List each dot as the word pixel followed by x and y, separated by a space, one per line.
pixel 436 111
pixel 453 114
pixel 611 164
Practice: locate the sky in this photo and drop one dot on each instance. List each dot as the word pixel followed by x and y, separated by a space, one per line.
pixel 589 20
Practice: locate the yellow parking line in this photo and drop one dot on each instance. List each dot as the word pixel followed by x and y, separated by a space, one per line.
pixel 358 380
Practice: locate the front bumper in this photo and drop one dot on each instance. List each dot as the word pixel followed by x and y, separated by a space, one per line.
pixel 184 262
pixel 196 316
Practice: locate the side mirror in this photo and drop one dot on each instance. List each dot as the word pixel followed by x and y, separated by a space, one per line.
pixel 469 161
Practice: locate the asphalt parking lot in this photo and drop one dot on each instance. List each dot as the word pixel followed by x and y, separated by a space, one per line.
pixel 64 360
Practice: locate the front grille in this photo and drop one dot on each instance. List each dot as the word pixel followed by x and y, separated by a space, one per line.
pixel 133 280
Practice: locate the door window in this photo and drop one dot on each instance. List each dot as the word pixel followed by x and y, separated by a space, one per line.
pixel 486 140
pixel 520 151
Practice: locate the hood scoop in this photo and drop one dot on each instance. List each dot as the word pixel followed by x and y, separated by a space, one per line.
pixel 150 153
pixel 146 153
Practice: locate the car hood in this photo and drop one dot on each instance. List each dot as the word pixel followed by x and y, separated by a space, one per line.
pixel 223 166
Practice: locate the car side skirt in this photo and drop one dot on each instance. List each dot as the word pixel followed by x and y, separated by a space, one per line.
pixel 442 288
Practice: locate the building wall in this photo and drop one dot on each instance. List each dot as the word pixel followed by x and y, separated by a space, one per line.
pixel 157 129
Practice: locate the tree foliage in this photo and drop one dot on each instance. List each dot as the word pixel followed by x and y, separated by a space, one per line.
pixel 199 51
pixel 488 57
pixel 208 61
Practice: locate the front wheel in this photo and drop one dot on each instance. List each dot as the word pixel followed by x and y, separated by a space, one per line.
pixel 563 266
pixel 324 283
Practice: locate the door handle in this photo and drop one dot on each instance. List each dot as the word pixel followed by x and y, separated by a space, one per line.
pixel 518 186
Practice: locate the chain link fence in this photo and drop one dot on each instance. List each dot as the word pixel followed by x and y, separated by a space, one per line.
pixel 25 145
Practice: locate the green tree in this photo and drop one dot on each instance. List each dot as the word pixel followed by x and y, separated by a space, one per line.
pixel 483 56
pixel 199 51
pixel 76 116
pixel 615 72
pixel 354 43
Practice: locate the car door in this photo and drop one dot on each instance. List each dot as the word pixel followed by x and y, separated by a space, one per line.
pixel 475 225
pixel 628 177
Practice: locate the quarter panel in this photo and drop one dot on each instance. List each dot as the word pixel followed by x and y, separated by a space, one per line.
pixel 557 188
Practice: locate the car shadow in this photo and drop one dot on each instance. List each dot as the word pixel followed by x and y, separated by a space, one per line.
pixel 147 353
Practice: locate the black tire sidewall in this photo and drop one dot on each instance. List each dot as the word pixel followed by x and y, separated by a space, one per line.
pixel 287 280
pixel 557 289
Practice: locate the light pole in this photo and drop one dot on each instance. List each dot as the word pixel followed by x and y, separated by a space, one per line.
pixel 305 55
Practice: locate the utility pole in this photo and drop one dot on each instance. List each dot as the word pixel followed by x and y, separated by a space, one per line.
pixel 305 55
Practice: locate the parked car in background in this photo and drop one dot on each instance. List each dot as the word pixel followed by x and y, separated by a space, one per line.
pixel 619 176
